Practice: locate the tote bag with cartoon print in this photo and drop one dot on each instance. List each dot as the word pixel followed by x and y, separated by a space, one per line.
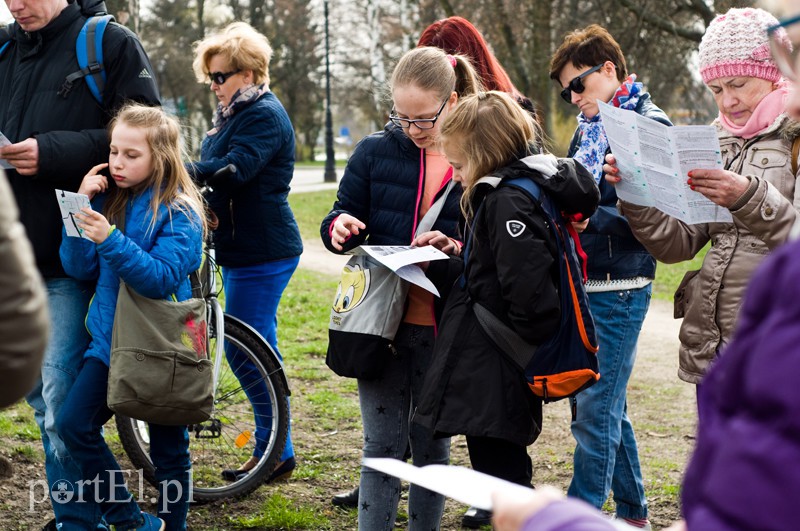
pixel 367 310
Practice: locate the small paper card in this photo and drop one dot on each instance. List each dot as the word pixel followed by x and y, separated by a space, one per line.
pixel 4 142
pixel 71 203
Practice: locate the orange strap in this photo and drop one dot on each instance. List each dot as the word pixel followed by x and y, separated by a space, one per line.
pixel 578 313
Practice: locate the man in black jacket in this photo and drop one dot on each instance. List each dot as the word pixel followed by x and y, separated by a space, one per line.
pixel 57 134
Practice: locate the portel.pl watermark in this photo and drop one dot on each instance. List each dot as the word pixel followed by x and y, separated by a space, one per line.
pixel 63 491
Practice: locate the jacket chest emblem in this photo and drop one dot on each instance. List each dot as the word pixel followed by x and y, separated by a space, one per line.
pixel 514 227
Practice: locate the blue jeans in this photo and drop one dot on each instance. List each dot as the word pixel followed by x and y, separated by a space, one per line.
pixel 606 457
pixel 68 301
pixel 252 294
pixel 80 424
pixel 386 407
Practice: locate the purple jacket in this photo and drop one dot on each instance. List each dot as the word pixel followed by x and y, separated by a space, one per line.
pixel 745 471
pixel 569 515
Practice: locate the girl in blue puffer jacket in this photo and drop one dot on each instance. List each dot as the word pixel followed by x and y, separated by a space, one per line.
pixel 157 244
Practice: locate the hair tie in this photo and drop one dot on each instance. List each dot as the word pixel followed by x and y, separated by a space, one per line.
pixel 452 60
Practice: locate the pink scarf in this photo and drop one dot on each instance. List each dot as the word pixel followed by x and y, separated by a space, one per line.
pixel 765 113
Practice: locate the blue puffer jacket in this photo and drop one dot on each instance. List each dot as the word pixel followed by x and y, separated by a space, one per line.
pixel 613 252
pixel 382 186
pixel 154 262
pixel 256 224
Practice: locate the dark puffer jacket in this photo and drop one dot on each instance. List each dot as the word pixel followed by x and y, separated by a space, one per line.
pixel 70 130
pixel 471 387
pixel 382 186
pixel 256 224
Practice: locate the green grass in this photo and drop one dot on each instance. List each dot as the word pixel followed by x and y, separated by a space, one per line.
pixel 303 316
pixel 30 453
pixel 279 512
pixel 19 426
pixel 332 405
pixel 319 163
pixel 668 276
pixel 309 209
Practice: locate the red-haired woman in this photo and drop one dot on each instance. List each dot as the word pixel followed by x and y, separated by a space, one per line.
pixel 457 35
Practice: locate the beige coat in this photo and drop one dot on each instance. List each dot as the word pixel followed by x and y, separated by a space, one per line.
pixel 23 305
pixel 709 299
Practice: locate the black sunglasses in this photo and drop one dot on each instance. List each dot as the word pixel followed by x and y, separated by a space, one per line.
pixel 221 77
pixel 576 84
pixel 424 123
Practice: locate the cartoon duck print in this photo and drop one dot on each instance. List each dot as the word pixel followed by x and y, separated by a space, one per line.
pixel 352 289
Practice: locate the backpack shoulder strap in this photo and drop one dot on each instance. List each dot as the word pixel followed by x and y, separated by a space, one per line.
pixel 89 50
pixel 795 154
pixel 526 185
pixel 5 38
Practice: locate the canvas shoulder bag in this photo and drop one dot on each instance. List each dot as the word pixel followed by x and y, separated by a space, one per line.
pixel 367 310
pixel 159 370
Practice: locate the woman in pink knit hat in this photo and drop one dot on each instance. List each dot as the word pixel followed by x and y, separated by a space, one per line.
pixel 757 186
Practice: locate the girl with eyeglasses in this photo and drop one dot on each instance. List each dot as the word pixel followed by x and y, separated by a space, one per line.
pixel 390 182
pixel 589 67
pixel 257 241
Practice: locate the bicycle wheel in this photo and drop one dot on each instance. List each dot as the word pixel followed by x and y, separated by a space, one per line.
pixel 249 374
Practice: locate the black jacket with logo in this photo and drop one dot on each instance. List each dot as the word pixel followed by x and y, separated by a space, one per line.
pixel 472 388
pixel 70 131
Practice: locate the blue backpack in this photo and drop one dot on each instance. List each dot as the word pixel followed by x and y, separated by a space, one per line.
pixel 89 49
pixel 566 363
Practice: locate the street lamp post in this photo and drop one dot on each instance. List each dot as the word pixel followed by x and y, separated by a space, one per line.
pixel 330 168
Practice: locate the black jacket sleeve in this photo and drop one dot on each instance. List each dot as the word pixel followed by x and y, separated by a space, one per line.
pixel 353 198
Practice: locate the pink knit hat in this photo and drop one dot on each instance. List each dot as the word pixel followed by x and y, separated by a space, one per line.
pixel 735 45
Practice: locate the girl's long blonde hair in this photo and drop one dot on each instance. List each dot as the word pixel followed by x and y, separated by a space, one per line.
pixel 172 186
pixel 491 130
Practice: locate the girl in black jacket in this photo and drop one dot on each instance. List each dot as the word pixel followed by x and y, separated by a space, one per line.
pixel 472 388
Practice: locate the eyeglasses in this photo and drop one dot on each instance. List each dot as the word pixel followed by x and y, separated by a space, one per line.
pixel 781 47
pixel 576 84
pixel 426 123
pixel 221 77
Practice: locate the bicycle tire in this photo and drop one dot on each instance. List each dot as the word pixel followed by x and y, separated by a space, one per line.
pixel 235 444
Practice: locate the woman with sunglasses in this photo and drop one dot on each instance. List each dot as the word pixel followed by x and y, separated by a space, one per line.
pixel 590 67
pixel 759 145
pixel 257 241
pixel 391 180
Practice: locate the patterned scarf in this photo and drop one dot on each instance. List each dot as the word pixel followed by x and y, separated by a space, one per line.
pixel 594 143
pixel 239 99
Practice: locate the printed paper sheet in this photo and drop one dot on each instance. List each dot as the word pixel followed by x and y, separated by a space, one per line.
pixel 654 161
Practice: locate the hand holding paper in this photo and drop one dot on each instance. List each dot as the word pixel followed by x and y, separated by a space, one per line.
pixel 652 162
pixel 722 187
